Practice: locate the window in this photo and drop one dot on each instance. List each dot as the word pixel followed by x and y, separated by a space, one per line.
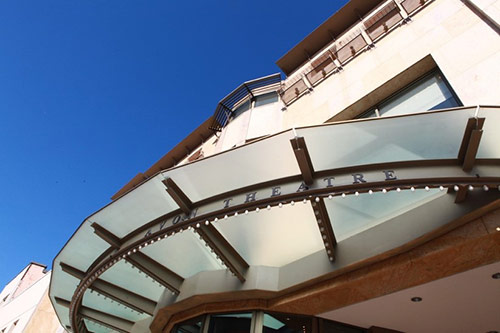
pixel 240 109
pixel 265 322
pixel 286 323
pixel 266 99
pixel 431 92
pixel 193 325
pixel 230 323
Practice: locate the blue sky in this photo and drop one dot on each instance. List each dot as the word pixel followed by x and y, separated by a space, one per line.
pixel 94 91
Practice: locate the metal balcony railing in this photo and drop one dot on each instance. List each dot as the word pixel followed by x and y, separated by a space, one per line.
pixel 382 21
pixel 246 90
pixel 374 26
pixel 322 68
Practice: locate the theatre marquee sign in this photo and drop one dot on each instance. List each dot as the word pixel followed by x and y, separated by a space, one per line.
pixel 241 201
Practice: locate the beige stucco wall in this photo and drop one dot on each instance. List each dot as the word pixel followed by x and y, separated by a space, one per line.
pixel 44 318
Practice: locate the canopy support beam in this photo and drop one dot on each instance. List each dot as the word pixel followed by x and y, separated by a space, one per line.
pixel 81 326
pixel 157 271
pixel 224 250
pixel 325 227
pixel 117 323
pixel 470 143
pixel 106 235
pixel 461 194
pixel 179 197
pixel 303 159
pixel 147 265
pixel 118 294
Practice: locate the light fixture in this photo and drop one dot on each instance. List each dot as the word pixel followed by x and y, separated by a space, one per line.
pixel 486 188
pixel 257 209
pixel 416 299
pixel 398 190
pixel 280 205
pixel 225 217
pixel 197 225
pixel 456 188
pixel 330 197
pixel 268 207
pixel 292 203
pixel 471 188
pixel 356 193
pixel 246 212
pixel 412 189
pixel 206 222
pixel 384 190
pixel 441 188
pixel 216 219
pixel 317 199
pixel 343 195
pixel 427 188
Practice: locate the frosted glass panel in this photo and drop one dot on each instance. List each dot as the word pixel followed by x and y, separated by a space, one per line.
pixel 62 285
pixel 97 328
pixel 99 302
pixel 184 254
pixel 354 214
pixel 62 313
pixel 124 275
pixel 83 248
pixel 136 208
pixel 273 237
pixel 489 146
pixel 417 137
pixel 257 162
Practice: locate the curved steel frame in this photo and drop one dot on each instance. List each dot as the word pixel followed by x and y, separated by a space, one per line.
pixel 410 175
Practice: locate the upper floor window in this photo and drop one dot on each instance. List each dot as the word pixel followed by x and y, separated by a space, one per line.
pixel 241 109
pixel 266 99
pixel 431 92
pixel 257 101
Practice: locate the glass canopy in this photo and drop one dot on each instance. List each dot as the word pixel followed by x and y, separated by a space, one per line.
pixel 250 208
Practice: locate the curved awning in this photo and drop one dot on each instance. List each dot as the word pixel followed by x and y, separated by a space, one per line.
pixel 292 207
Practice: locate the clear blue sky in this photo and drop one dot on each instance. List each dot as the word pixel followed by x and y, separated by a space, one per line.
pixel 94 91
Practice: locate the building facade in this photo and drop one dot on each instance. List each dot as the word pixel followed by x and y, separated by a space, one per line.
pixel 25 304
pixel 360 193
